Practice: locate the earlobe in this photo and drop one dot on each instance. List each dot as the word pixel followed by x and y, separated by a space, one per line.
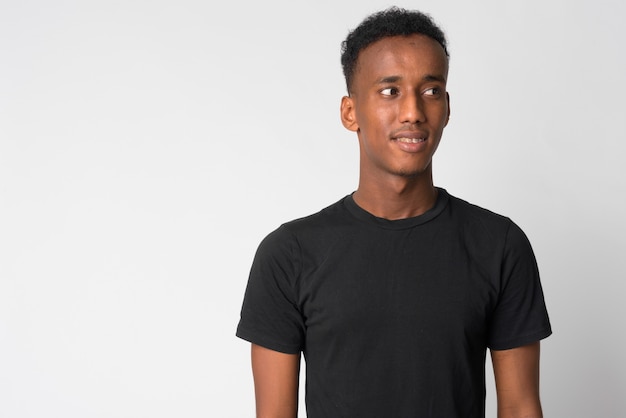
pixel 348 118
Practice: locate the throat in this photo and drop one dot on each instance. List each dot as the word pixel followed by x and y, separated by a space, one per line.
pixel 392 204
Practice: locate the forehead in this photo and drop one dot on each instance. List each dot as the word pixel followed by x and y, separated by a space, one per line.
pixel 406 55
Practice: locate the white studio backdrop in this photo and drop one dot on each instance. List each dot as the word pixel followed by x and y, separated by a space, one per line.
pixel 146 147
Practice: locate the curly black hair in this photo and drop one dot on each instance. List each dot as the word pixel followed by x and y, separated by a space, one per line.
pixel 393 21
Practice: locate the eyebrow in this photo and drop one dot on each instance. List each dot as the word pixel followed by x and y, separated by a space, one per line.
pixel 396 78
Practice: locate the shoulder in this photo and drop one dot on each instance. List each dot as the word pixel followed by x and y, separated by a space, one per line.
pixel 484 225
pixel 320 223
pixel 329 215
pixel 312 227
pixel 468 213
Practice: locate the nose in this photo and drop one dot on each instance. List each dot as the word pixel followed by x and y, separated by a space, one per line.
pixel 411 109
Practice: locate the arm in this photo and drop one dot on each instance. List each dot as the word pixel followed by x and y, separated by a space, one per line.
pixel 517 381
pixel 276 377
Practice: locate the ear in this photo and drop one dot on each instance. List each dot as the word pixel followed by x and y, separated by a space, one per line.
pixel 448 117
pixel 348 116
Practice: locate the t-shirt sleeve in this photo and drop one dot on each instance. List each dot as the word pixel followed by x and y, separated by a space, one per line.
pixel 270 316
pixel 520 316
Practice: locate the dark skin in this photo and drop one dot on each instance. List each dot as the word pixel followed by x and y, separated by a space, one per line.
pixel 399 91
pixel 275 383
pixel 398 106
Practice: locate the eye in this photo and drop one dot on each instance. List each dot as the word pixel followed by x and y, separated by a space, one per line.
pixel 389 91
pixel 433 91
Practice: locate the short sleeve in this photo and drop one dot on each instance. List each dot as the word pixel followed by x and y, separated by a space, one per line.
pixel 270 315
pixel 520 316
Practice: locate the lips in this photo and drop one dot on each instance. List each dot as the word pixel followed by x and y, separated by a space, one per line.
pixel 410 140
pixel 409 136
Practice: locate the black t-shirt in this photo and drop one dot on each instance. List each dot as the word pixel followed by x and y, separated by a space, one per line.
pixel 394 317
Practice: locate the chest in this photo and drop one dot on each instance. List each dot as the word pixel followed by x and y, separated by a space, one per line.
pixel 399 286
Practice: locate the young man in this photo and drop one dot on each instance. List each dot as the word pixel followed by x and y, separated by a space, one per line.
pixel 395 292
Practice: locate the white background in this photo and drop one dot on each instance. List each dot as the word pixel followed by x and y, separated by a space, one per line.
pixel 146 147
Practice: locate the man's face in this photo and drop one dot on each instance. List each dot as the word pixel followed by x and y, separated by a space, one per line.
pixel 398 105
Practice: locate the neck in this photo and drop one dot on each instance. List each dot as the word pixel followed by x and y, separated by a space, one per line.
pixel 397 197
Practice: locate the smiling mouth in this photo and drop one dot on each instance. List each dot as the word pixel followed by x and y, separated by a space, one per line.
pixel 410 140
